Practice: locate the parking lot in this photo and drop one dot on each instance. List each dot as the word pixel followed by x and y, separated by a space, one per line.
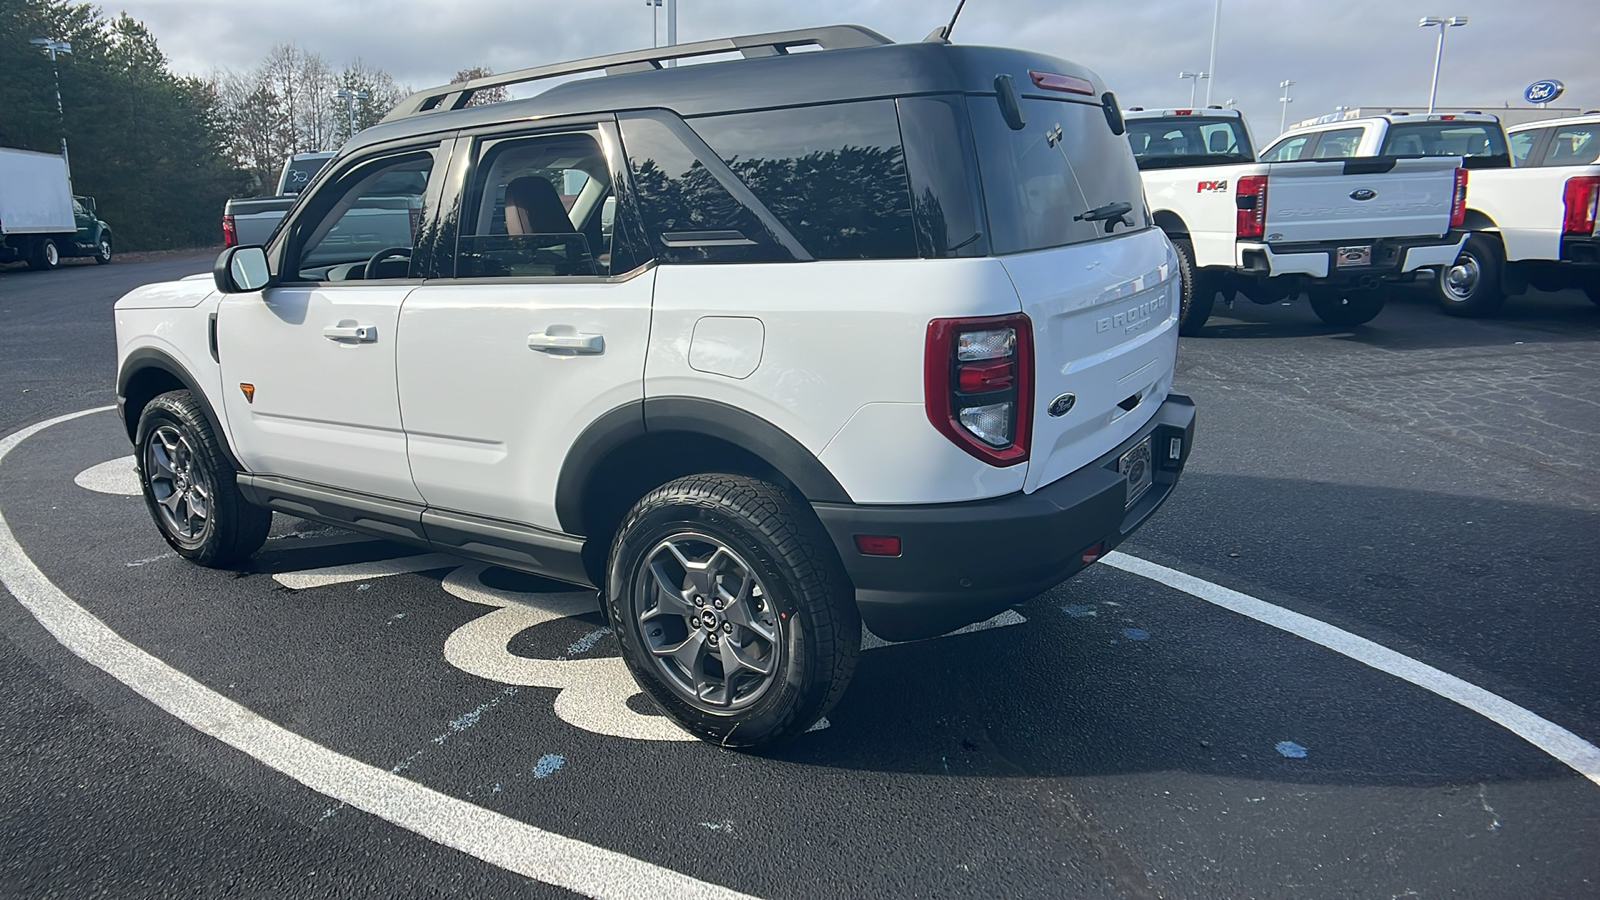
pixel 1352 657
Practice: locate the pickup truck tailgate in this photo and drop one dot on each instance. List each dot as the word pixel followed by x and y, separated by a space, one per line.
pixel 1369 197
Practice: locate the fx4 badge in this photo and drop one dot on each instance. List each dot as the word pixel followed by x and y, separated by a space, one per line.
pixel 1214 187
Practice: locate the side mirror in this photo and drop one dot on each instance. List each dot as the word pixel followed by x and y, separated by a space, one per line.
pixel 240 270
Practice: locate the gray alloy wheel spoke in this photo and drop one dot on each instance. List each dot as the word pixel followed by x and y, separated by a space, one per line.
pixel 734 658
pixel 199 504
pixel 172 501
pixel 669 597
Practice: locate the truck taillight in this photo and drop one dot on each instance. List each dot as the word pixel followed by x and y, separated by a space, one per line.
pixel 1252 202
pixel 978 385
pixel 1458 202
pixel 1582 199
pixel 230 235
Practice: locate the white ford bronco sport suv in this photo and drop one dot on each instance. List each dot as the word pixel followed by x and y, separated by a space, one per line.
pixel 762 349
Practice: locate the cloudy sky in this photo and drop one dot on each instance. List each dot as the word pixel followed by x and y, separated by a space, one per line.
pixel 1339 52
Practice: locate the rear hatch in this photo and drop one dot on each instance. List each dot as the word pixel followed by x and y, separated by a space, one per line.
pixel 1068 220
pixel 1370 197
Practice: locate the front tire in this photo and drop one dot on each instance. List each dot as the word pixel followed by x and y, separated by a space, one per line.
pixel 1198 290
pixel 732 609
pixel 1471 288
pixel 102 250
pixel 1346 308
pixel 189 485
pixel 46 255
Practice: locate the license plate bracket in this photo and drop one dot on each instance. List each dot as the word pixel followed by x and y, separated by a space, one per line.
pixel 1353 256
pixel 1136 466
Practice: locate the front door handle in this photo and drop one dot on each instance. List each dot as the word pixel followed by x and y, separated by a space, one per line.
pixel 355 334
pixel 564 344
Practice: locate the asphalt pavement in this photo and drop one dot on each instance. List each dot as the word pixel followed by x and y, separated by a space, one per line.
pixel 1425 483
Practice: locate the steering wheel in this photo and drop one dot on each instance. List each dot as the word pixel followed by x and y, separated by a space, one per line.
pixel 383 256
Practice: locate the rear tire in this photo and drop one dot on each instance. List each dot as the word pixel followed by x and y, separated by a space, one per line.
pixel 1471 288
pixel 46 255
pixel 1198 290
pixel 189 485
pixel 1346 307
pixel 777 653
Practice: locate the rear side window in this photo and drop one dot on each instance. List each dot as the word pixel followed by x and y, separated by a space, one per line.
pixel 1521 145
pixel 834 175
pixel 1466 139
pixel 1041 184
pixel 1574 145
pixel 1338 144
pixel 1173 141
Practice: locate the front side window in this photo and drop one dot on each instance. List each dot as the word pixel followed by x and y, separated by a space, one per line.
pixel 834 175
pixel 1065 178
pixel 1287 150
pixel 1340 143
pixel 367 223
pixel 537 207
pixel 1574 145
pixel 1484 140
pixel 1172 141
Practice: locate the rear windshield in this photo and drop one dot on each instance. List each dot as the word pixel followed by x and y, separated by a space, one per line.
pixel 1484 140
pixel 1177 141
pixel 1057 180
pixel 299 172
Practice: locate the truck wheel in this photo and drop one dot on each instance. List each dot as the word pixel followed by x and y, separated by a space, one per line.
pixel 732 609
pixel 46 255
pixel 1346 307
pixel 1197 290
pixel 1472 287
pixel 102 250
pixel 189 485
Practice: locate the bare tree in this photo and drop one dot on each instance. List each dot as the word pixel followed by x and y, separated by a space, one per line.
pixel 483 97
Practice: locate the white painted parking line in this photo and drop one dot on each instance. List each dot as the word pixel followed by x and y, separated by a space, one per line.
pixel 1560 743
pixel 115 476
pixel 496 839
pixel 311 578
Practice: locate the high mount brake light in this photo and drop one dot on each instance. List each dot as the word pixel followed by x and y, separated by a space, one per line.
pixel 1068 84
pixel 1180 112
pixel 1458 202
pixel 230 234
pixel 1252 202
pixel 978 385
pixel 1581 198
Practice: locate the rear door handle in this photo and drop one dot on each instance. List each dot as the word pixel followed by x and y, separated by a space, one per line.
pixel 355 334
pixel 567 343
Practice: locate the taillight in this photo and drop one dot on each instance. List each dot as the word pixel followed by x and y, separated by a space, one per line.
pixel 1582 199
pixel 1252 202
pixel 1458 203
pixel 978 385
pixel 230 235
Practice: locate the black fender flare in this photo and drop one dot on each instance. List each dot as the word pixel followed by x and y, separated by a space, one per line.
pixel 691 415
pixel 147 358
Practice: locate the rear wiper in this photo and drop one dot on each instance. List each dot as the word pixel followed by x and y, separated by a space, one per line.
pixel 1112 214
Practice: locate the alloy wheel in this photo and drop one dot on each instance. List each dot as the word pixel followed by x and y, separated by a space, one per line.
pixel 181 491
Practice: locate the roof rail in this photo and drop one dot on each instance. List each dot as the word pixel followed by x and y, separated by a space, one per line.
pixel 776 43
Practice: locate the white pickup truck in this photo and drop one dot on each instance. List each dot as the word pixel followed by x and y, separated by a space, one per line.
pixel 1334 228
pixel 1533 224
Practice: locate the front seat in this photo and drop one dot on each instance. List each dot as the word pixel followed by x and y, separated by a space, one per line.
pixel 533 207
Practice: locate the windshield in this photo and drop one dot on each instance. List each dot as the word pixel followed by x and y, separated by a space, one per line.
pixel 299 172
pixel 1174 141
pixel 1482 140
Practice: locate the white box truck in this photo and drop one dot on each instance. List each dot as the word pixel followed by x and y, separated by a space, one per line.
pixel 40 221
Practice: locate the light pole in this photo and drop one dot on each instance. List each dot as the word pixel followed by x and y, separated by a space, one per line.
pixel 1194 82
pixel 51 48
pixel 1438 55
pixel 1283 122
pixel 1216 24
pixel 350 98
pixel 655 22
pixel 672 28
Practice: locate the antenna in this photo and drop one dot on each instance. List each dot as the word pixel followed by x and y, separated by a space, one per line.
pixel 942 35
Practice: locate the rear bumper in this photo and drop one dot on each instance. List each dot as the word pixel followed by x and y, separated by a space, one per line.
pixel 1583 250
pixel 964 562
pixel 1391 257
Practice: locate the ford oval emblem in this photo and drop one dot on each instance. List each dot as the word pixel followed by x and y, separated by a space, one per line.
pixel 1363 194
pixel 1062 405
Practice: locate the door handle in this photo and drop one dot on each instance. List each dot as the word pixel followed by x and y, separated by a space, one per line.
pixel 564 344
pixel 356 334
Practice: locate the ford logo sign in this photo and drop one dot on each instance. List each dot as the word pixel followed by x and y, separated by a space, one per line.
pixel 1062 405
pixel 1543 91
pixel 1363 194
